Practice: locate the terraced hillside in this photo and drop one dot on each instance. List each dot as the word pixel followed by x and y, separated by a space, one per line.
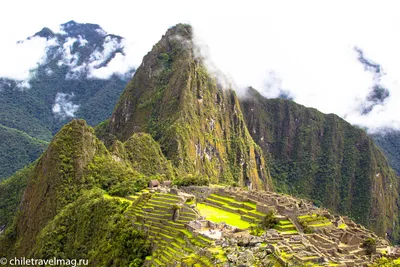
pixel 303 235
pixel 241 213
pixel 219 226
pixel 164 217
pixel 313 222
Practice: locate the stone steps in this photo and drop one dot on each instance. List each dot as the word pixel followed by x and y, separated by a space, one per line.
pixel 170 240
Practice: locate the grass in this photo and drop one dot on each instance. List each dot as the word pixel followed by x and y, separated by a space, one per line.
pixel 107 196
pixel 229 199
pixel 219 215
pixel 251 204
pixel 284 222
pixel 321 224
pixel 286 255
pixel 218 253
pixel 307 216
pixel 290 232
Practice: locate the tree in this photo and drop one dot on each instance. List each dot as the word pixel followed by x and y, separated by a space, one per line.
pixel 269 221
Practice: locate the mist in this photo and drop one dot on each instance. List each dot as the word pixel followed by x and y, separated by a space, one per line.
pixel 304 51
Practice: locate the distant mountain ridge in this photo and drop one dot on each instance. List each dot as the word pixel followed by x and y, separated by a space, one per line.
pixel 389 141
pixel 324 158
pixel 175 122
pixel 75 78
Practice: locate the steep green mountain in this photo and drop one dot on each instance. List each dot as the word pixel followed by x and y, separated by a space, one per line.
pixel 85 198
pixel 101 234
pixel 144 154
pixel 324 158
pixel 389 141
pixel 199 125
pixel 75 169
pixel 65 85
pixel 17 149
pixel 11 191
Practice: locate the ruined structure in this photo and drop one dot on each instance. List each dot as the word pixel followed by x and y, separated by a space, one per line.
pixel 304 233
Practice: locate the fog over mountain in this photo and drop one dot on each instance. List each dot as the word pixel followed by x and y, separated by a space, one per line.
pixel 77 71
pixel 306 50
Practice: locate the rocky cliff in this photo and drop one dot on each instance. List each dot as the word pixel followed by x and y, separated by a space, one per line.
pixel 199 124
pixel 324 158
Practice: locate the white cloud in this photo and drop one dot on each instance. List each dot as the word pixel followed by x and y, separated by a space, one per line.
pixel 82 41
pixel 63 106
pixel 101 31
pixel 119 65
pixel 68 58
pixel 307 45
pixel 96 67
pixel 19 59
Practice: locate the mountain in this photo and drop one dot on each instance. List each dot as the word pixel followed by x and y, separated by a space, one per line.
pixel 75 77
pixel 203 137
pixel 324 158
pixel 198 124
pixel 389 141
pixel 104 193
pixel 17 150
pixel 69 180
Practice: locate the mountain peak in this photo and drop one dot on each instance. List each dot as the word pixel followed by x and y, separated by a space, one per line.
pixel 69 24
pixel 199 125
pixel 183 30
pixel 85 30
pixel 45 33
pixel 177 39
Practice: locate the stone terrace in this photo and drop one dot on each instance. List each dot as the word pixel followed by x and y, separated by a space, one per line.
pixel 165 217
pixel 304 233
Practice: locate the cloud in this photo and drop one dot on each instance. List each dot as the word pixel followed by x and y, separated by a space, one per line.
pixel 308 46
pixel 378 93
pixel 114 57
pixel 63 106
pixel 120 64
pixel 308 54
pixel 20 59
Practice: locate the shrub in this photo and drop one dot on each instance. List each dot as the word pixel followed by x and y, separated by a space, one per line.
pixel 370 245
pixel 269 221
pixel 191 180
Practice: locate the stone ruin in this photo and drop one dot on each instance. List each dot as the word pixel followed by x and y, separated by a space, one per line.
pixel 332 243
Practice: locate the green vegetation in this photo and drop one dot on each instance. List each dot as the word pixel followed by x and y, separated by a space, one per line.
pixel 11 191
pixel 85 198
pixel 145 156
pixel 93 228
pixel 323 158
pixel 388 141
pixel 218 215
pixel 155 213
pixel 17 149
pixel 385 262
pixel 75 161
pixel 191 180
pixel 179 105
pixel 115 177
pixel 370 245
pixel 269 221
pixel 27 121
pixel 285 227
pixel 313 221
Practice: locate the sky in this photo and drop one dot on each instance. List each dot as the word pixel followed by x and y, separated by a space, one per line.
pixel 308 49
